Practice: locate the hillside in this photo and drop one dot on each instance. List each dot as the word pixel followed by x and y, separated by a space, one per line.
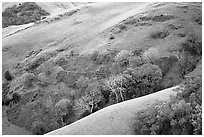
pixel 89 56
pixel 116 119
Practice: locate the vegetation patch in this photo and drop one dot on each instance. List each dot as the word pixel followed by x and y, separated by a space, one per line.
pixel 182 115
pixel 174 27
pixel 198 20
pixel 159 35
pixel 22 14
pixel 162 17
pixel 192 45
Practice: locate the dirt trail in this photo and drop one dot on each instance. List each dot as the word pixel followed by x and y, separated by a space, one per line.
pixel 115 119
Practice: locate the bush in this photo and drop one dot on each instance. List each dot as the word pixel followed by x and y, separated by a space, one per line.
pixel 93 96
pixel 29 80
pixel 38 128
pixel 5 88
pixel 112 37
pixel 64 109
pixel 95 56
pixel 181 115
pixel 135 61
pixel 16 98
pixel 82 83
pixel 122 58
pixel 192 45
pixel 198 20
pixel 8 76
pixel 160 34
pixel 102 72
pixel 149 74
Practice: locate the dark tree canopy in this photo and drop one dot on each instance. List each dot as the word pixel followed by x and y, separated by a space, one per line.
pixel 22 14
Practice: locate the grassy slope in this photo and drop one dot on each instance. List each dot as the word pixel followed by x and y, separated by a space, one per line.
pixel 39 36
pixel 97 38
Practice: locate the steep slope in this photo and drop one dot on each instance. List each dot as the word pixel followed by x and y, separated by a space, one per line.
pixel 116 119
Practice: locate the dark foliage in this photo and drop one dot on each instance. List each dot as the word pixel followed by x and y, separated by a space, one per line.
pixel 181 115
pixel 8 76
pixel 193 45
pixel 85 113
pixel 22 14
pixel 134 83
pixel 16 98
pixel 112 37
pixel 160 35
pixel 38 128
pixel 198 20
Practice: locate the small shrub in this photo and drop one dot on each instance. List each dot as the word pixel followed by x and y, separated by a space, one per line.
pixel 160 34
pixel 122 27
pixel 64 106
pixel 193 45
pixel 102 72
pixel 135 61
pixel 145 18
pixel 6 101
pixel 162 17
pixel 122 58
pixel 112 37
pixel 5 88
pixel 174 27
pixel 16 98
pixel 94 55
pixel 35 63
pixel 8 76
pixel 181 34
pixel 198 20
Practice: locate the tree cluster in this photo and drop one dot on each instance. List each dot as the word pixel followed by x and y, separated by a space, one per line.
pixel 182 115
pixel 22 14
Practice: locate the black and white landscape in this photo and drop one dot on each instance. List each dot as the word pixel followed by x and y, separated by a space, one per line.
pixel 89 68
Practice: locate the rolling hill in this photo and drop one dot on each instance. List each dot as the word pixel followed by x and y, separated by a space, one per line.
pixel 86 57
